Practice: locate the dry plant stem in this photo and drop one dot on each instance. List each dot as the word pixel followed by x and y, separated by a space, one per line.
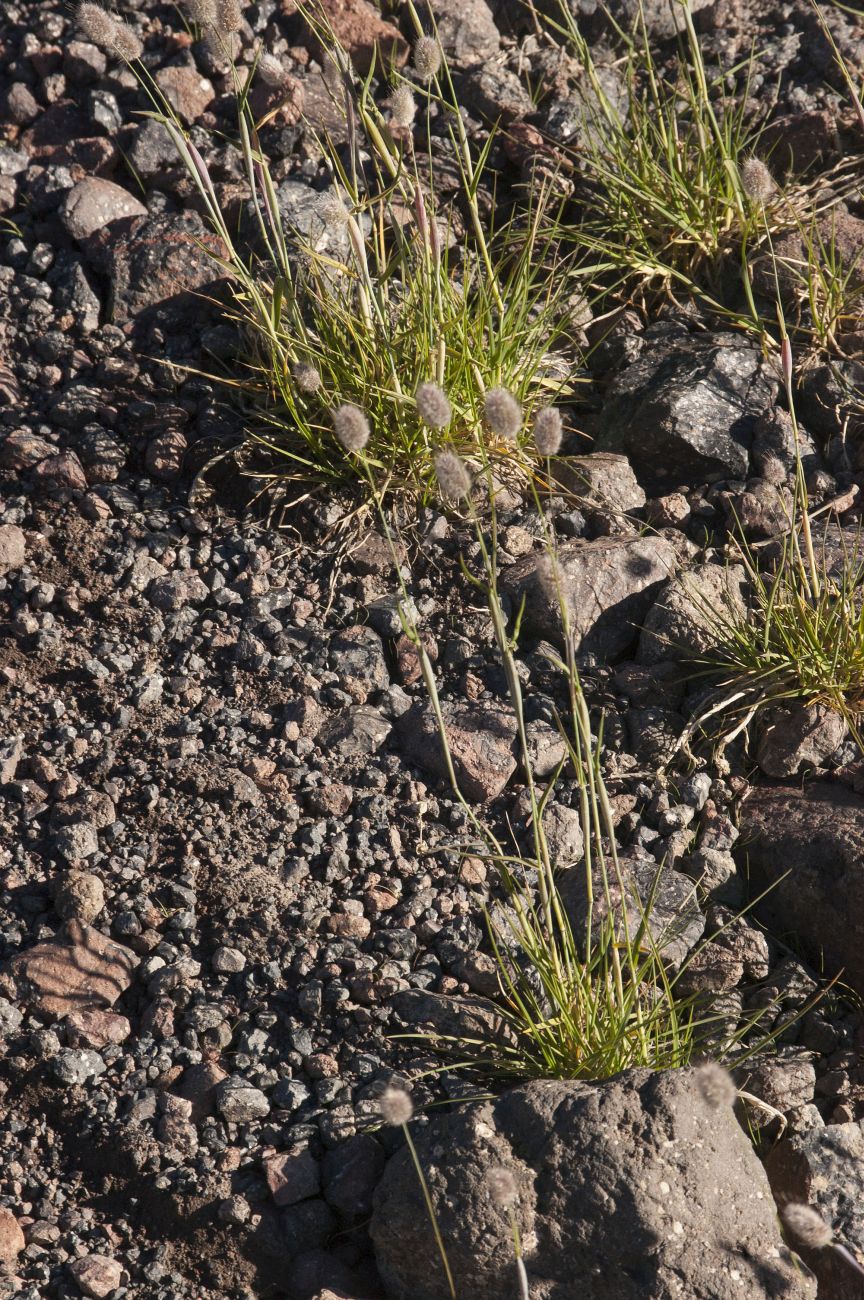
pixel 801 486
pixel 849 1258
pixel 430 1209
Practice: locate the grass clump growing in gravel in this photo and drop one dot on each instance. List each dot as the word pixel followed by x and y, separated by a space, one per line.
pixel 383 299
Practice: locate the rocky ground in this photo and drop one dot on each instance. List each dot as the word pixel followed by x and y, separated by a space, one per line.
pixel 231 866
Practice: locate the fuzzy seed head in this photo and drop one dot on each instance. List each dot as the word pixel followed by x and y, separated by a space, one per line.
pixel 806 1226
pixel 502 1187
pixel 126 44
pixel 756 180
pixel 403 107
pixel 503 413
pixel 548 430
pixel 427 58
pixel 202 12
pixel 432 406
pixel 351 427
pixel 228 16
pixel 396 1107
pixel 454 481
pixel 334 213
pixel 715 1085
pixel 104 30
pixel 307 378
pixel 271 71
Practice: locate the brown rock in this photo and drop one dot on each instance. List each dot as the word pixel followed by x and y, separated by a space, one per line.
pixel 80 971
pixel 11 1237
pixel 96 1275
pixel 361 30
pixel 165 454
pixel 349 926
pixel 13 548
pixel 602 478
pixel 796 736
pixel 96 1029
pixel 62 473
pixel 481 742
pixel 198 1086
pixel 22 450
pixel 188 93
pixel 94 203
pixel 292 1176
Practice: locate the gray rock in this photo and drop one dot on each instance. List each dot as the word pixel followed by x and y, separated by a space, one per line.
pixel 688 614
pixel 626 1189
pixel 81 897
pixel 824 1167
pixel 178 590
pixel 466 30
pixel 94 203
pixel 662 19
pixel 239 1103
pixel 481 742
pixel 716 873
pixel 603 478
pixel 13 548
pixel 685 411
pixel 77 1065
pixel 77 841
pixel 11 1018
pixel 357 655
pixel 350 1173
pixel 806 847
pixel 673 918
pixel 563 828
pixel 796 736
pixel 355 731
pixel 11 751
pixel 452 1018
pixel 607 585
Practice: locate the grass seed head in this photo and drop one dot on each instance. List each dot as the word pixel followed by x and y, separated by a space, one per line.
pixel 228 16
pixel 548 430
pixel 106 31
pixel 307 378
pixel 396 1107
pixel 452 474
pixel 334 213
pixel 427 58
pixel 503 413
pixel 715 1085
pixel 432 406
pixel 403 106
pixel 806 1226
pixel 502 1187
pixel 351 427
pixel 202 12
pixel 271 71
pixel 756 180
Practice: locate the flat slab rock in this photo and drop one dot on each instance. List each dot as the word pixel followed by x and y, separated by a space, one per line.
pixel 808 846
pixel 608 585
pixel 629 1189
pixel 81 970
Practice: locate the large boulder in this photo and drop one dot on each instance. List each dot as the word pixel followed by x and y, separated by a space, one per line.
pixel 685 411
pixel 608 586
pixel 824 1167
pixel 641 1186
pixel 797 736
pixel 806 847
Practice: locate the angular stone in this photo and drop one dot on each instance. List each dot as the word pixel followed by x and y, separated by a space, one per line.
pixel 96 1275
pixel 96 1029
pixel 627 1189
pixel 481 742
pixel 806 848
pixel 11 1237
pixel 22 450
pixel 685 411
pixel 688 615
pixel 188 93
pixel 360 29
pixel 13 548
pixel 824 1167
pixel 94 203
pixel 292 1176
pixel 796 736
pixel 452 1018
pixel 356 731
pixel 80 971
pixel 466 30
pixel 608 586
pixel 357 655
pixel 81 897
pixel 603 478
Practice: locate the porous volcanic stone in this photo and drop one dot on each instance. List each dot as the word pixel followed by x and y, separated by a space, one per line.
pixel 631 1188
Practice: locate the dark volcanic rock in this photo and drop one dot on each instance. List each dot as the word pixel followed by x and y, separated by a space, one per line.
pixel 693 1214
pixel 808 846
pixel 685 411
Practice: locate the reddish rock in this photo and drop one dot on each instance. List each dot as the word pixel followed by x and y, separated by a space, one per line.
pixel 96 1275
pixel 11 1237
pixel 62 473
pixel 165 454
pixel 79 971
pixel 13 548
pixel 198 1086
pixel 292 1176
pixel 96 1028
pixel 346 925
pixel 481 742
pixel 359 27
pixel 22 450
pixel 188 93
